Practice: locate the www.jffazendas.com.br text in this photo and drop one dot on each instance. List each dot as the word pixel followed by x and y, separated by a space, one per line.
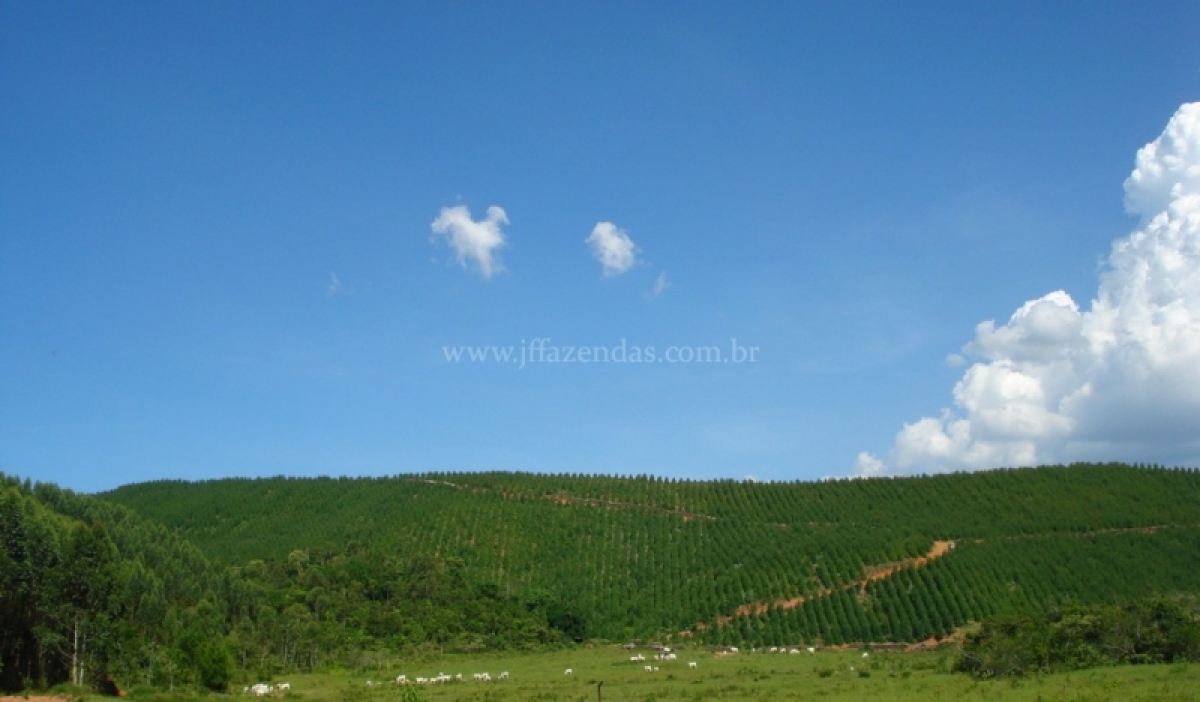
pixel 541 351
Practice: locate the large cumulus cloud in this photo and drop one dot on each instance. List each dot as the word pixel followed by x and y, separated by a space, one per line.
pixel 1120 380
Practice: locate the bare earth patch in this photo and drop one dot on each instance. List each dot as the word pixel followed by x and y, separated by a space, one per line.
pixel 939 549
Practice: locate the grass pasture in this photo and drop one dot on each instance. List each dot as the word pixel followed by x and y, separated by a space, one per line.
pixel 827 675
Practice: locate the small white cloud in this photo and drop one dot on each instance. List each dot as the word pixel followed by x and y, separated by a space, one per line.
pixel 613 248
pixel 334 286
pixel 954 360
pixel 660 285
pixel 1120 381
pixel 474 243
pixel 867 466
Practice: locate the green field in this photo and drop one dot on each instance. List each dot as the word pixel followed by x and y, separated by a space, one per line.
pixel 827 675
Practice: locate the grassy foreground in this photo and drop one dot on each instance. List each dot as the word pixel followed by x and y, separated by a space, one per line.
pixel 827 675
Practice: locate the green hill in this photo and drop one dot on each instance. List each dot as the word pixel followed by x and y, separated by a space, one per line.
pixel 726 561
pixel 89 589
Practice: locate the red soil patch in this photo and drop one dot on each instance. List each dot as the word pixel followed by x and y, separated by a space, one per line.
pixel 939 549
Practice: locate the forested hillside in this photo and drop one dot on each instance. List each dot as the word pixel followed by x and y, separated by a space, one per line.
pixel 201 583
pixel 889 559
pixel 88 588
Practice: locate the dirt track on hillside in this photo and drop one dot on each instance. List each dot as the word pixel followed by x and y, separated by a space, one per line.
pixel 887 570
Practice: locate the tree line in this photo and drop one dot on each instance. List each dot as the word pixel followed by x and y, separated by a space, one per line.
pixel 88 588
pixel 170 583
pixel 1154 630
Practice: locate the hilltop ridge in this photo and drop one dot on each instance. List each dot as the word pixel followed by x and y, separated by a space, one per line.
pixel 731 560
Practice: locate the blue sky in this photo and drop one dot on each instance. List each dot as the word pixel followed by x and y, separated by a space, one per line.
pixel 217 255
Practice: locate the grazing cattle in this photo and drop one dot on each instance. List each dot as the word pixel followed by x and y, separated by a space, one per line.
pixel 794 650
pixel 811 649
pixel 502 676
pixel 261 689
pixel 866 654
pixel 245 690
pixel 656 669
pixel 691 664
pixel 568 671
pixel 648 668
pixel 401 679
pixel 284 686
pixel 458 678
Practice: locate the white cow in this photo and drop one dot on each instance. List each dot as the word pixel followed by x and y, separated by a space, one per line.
pixel 401 679
pixel 568 671
pixel 284 686
pixel 866 654
pixel 811 649
pixel 691 664
pixel 503 675
pixel 648 668
pixel 261 689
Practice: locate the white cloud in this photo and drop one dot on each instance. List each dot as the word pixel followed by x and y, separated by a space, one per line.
pixel 868 466
pixel 334 286
pixel 660 285
pixel 613 248
pixel 1120 381
pixel 474 243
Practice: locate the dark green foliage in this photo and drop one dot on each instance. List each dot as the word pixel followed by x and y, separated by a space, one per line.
pixel 311 572
pixel 214 665
pixel 635 556
pixel 1158 630
pixel 88 588
pixel 77 603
